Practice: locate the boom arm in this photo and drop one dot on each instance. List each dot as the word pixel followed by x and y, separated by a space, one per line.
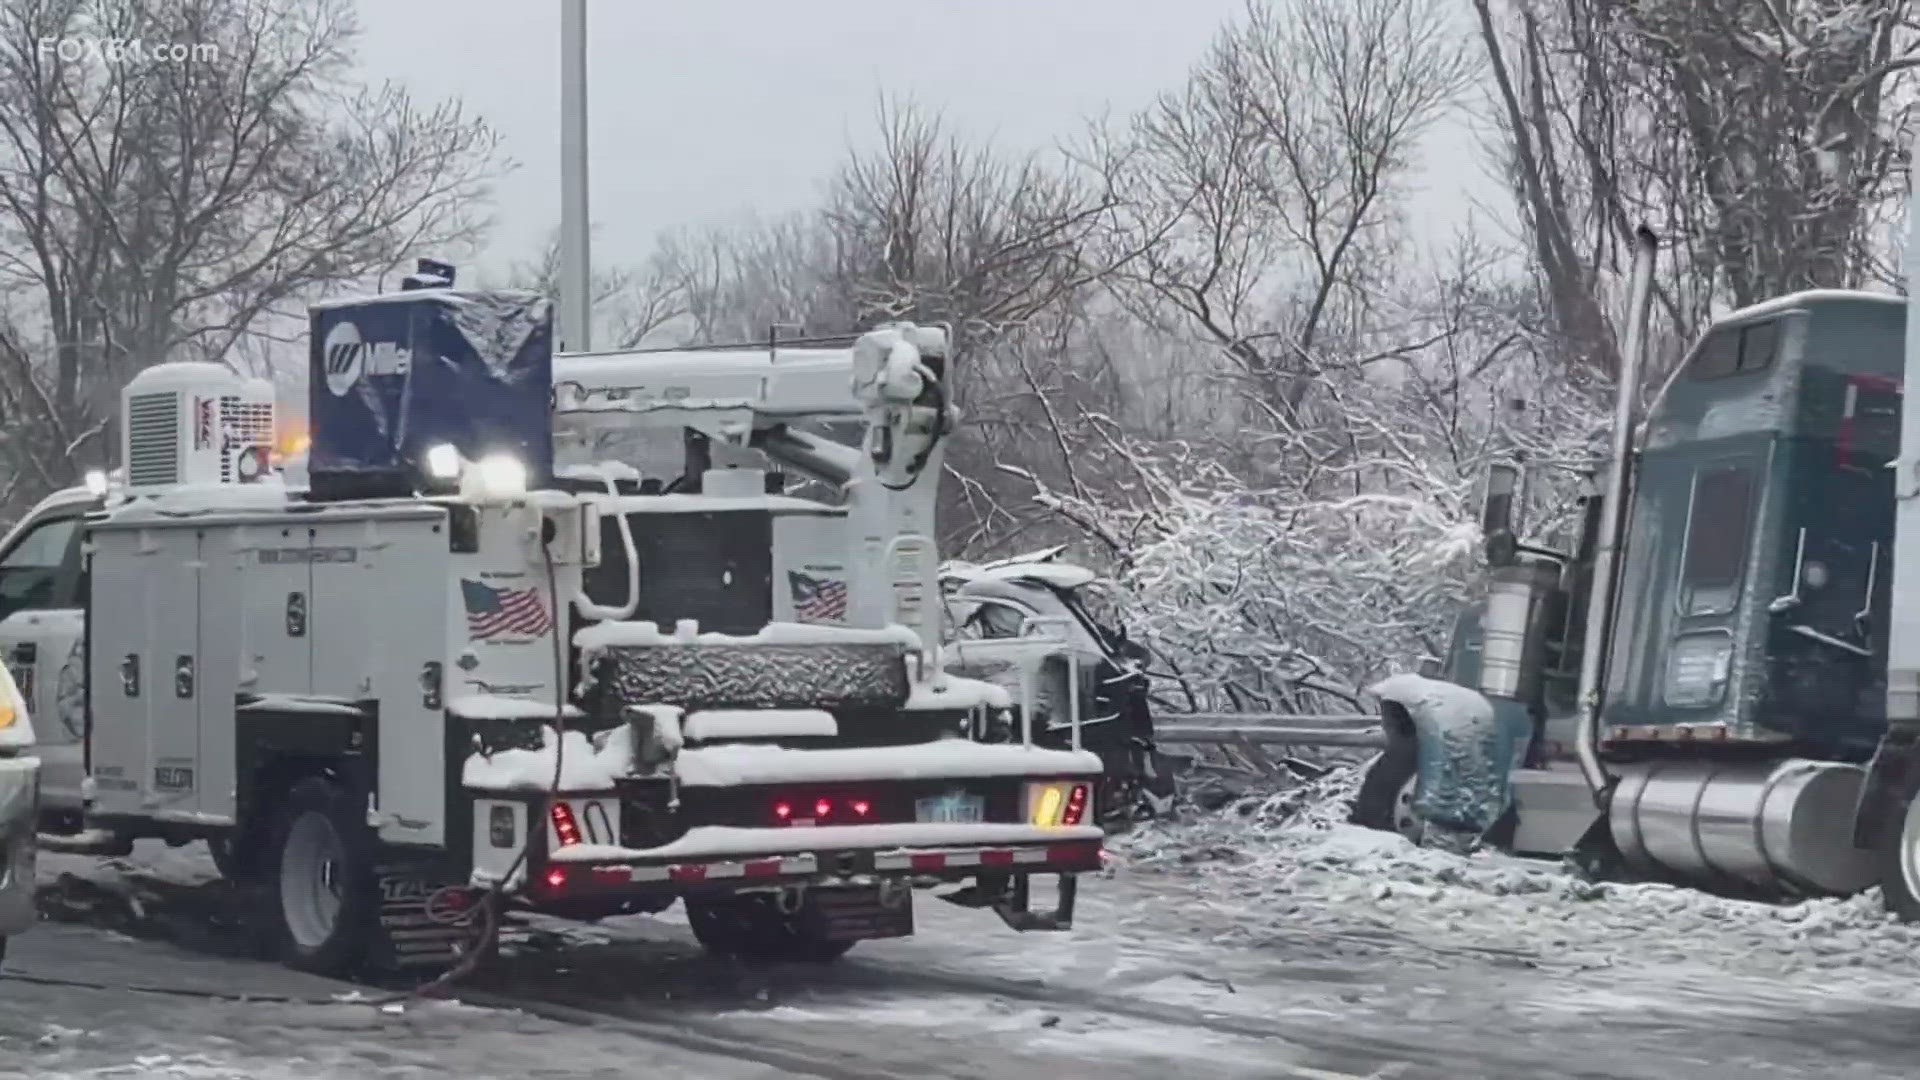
pixel 892 381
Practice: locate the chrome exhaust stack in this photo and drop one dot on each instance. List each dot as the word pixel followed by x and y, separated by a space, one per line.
pixel 1613 518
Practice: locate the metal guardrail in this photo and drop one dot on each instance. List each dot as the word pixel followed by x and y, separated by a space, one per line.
pixel 1269 735
pixel 1239 741
pixel 1284 720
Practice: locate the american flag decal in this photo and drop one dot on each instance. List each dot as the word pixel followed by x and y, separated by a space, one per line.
pixel 817 599
pixel 492 612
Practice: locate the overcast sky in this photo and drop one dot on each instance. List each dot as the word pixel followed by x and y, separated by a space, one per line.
pixel 709 111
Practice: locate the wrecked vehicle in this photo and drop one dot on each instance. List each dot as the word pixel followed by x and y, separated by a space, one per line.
pixel 1025 622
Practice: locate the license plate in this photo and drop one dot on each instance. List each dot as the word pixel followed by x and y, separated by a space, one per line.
pixel 954 807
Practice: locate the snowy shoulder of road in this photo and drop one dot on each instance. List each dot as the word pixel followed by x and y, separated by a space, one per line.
pixel 1289 864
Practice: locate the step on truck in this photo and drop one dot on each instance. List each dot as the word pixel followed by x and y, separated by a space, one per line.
pixel 391 699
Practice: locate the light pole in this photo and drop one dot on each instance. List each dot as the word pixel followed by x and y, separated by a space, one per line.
pixel 576 261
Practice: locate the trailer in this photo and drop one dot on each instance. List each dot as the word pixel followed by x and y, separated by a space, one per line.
pixel 444 681
pixel 1716 682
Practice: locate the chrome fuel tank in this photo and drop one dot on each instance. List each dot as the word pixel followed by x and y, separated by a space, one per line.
pixel 1781 826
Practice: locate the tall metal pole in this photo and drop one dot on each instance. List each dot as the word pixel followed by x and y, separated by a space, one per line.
pixel 1606 558
pixel 576 260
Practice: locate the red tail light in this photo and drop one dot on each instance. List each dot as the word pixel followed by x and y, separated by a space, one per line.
pixel 556 878
pixel 816 809
pixel 1076 810
pixel 564 826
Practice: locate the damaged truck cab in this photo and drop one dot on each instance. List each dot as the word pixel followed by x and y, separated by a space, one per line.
pixel 1700 680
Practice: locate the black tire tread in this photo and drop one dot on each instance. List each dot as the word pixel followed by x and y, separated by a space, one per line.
pixel 357 937
pixel 1373 806
pixel 1895 896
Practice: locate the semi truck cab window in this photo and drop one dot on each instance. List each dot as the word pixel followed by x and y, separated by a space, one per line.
pixel 1734 350
pixel 1718 525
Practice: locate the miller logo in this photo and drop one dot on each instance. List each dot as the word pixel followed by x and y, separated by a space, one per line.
pixel 345 358
pixel 203 423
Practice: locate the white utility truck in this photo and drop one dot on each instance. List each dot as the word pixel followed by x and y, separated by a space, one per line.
pixel 439 680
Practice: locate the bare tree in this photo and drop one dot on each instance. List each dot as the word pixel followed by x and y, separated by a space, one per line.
pixel 934 228
pixel 1262 194
pixel 169 203
pixel 741 284
pixel 1762 137
pixel 629 306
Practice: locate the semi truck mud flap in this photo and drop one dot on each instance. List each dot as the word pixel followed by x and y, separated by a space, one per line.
pixel 1468 749
pixel 427 926
pixel 864 913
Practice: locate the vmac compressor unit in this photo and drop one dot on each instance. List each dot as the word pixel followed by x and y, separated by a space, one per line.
pixel 387 701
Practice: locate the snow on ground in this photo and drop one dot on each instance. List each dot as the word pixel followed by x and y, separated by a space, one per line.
pixel 67 1013
pixel 1286 865
pixel 1128 1042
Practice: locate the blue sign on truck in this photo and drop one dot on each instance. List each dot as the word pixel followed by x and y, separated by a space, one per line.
pixel 391 376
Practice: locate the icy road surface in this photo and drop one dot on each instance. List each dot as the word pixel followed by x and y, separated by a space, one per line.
pixel 1260 941
pixel 304 1029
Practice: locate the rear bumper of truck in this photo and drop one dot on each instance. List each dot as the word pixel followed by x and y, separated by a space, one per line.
pixel 729 858
pixel 992 865
pixel 745 818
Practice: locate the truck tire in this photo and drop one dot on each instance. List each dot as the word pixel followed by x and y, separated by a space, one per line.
pixel 1900 863
pixel 319 899
pixel 1385 800
pixel 750 926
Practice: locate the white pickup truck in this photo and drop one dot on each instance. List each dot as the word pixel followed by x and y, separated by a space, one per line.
pixel 19 795
pixel 42 622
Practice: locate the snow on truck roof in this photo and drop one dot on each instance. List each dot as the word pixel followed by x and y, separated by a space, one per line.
pixel 1058 575
pixel 586 763
pixel 790 382
pixel 608 635
pixel 1808 298
pixel 402 296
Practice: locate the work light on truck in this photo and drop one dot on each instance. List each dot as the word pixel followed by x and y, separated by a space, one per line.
pixel 502 475
pixel 564 825
pixel 443 461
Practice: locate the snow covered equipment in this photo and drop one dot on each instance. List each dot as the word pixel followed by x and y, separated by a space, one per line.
pixel 1466 751
pixel 396 376
pixel 451 679
pixel 1722 670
